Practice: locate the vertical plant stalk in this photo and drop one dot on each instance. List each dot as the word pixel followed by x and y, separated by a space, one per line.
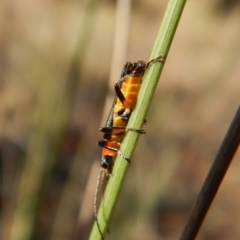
pixel 67 200
pixel 49 120
pixel 150 80
pixel 214 178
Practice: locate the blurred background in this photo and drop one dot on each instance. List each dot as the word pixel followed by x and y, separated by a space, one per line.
pixel 58 63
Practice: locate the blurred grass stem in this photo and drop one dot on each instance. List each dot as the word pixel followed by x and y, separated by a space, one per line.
pixel 214 178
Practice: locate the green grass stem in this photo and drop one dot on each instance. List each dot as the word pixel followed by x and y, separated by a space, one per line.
pixel 150 80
